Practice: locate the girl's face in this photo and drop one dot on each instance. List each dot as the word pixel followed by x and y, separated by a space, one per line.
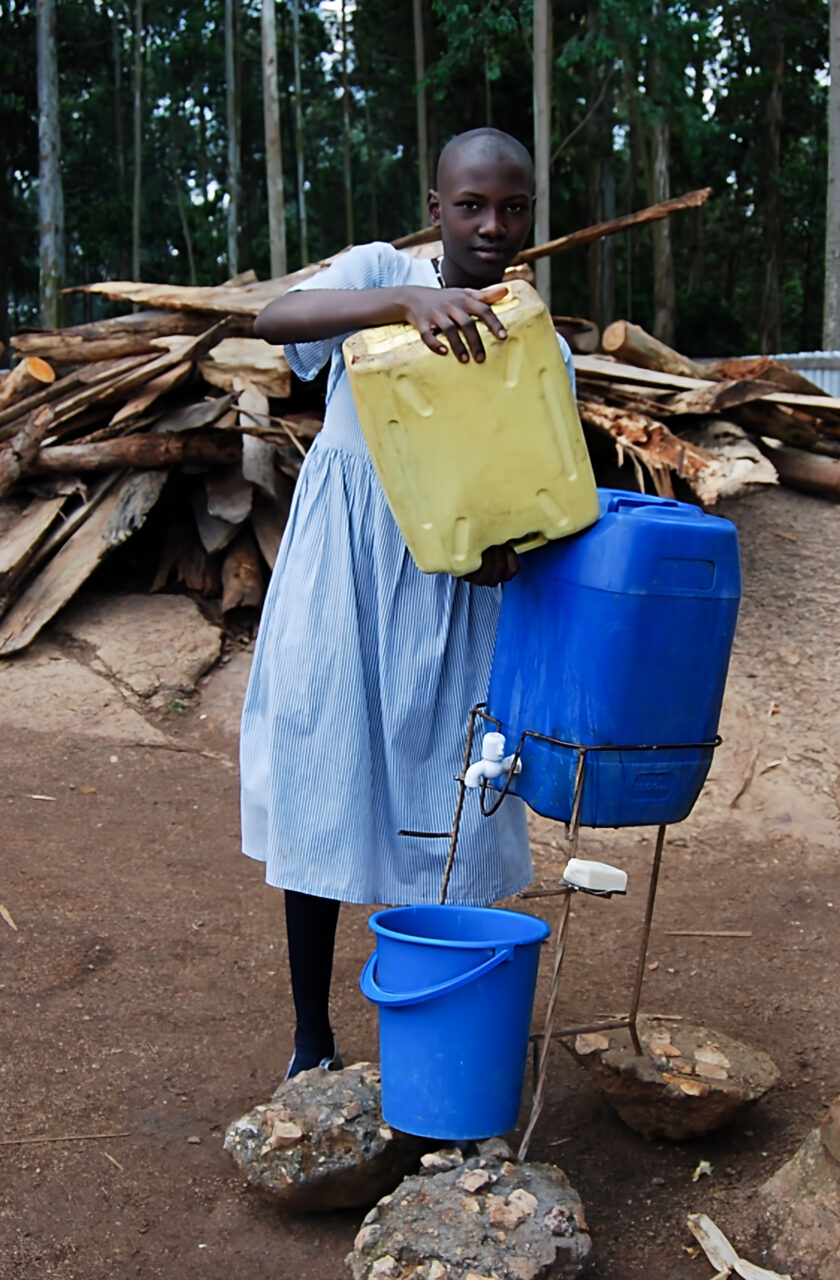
pixel 484 209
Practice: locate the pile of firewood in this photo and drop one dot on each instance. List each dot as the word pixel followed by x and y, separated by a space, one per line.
pixel 178 408
pixel 718 426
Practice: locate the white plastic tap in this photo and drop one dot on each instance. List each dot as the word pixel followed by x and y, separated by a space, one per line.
pixel 493 761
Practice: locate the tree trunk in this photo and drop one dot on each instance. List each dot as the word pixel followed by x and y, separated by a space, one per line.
pixel 420 94
pixel 137 95
pixel 345 117
pixel 300 153
pixel 831 313
pixel 273 149
pixel 119 130
pixel 770 332
pixel 233 155
pixel 542 140
pixel 50 195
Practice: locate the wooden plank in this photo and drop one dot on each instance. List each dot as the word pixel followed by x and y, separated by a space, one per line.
pixel 229 494
pixel 249 360
pixel 117 517
pixel 596 367
pixel 653 213
pixel 152 391
pixel 215 533
pixel 269 516
pixel 18 545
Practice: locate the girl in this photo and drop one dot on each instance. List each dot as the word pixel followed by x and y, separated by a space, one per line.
pixel 365 669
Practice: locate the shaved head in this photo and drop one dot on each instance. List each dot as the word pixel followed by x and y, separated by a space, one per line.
pixel 488 146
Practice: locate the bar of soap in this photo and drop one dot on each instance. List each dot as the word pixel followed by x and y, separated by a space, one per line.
pixel 586 874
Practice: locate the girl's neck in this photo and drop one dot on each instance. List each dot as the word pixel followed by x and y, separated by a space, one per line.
pixel 448 276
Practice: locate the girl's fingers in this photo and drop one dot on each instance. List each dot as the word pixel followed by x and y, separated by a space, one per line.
pixel 432 340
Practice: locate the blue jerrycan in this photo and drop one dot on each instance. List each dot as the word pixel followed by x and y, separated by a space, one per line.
pixel 619 637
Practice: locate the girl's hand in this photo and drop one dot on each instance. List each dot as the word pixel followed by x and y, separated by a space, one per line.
pixel 498 565
pixel 451 314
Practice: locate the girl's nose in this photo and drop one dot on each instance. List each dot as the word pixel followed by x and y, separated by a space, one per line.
pixel 492 224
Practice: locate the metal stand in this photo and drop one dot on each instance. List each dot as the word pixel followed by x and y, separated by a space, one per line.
pixel 565 889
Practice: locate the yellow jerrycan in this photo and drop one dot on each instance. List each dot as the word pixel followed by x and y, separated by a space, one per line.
pixel 474 455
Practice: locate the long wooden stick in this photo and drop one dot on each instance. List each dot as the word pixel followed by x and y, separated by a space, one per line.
pixel 65 1137
pixel 652 214
pixel 597 232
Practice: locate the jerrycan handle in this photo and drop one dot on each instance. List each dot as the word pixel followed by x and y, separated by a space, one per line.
pixel 628 503
pixel 529 543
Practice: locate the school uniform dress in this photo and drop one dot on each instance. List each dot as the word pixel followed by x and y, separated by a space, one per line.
pixel 364 673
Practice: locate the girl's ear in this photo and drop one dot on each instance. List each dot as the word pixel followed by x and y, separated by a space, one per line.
pixel 433 205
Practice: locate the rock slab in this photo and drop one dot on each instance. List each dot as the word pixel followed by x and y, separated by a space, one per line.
pixel 801 1205
pixel 479 1218
pixel 321 1143
pixel 688 1080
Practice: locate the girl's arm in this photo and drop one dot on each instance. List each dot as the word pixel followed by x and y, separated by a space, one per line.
pixel 308 315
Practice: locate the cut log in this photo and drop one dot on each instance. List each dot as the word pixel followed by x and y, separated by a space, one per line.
pixel 248 360
pixel 779 423
pixel 210 449
pixel 19 544
pixel 243 585
pixel 120 336
pixel 30 374
pixel 17 456
pixel 137 404
pixel 806 471
pixel 630 342
pixel 117 387
pixel 653 213
pixel 118 516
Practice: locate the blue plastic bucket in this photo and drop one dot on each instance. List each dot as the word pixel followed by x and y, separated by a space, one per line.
pixel 455 990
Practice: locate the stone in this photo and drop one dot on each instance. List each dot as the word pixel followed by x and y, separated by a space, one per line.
pixel 433 1230
pixel 715 1079
pixel 320 1144
pixel 801 1208
pixel 154 646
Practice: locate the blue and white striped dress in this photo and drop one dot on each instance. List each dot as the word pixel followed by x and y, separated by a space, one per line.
pixel 364 673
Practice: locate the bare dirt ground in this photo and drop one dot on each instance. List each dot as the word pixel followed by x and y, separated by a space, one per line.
pixel 144 994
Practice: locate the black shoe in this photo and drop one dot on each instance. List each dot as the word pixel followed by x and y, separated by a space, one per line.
pixel 298 1063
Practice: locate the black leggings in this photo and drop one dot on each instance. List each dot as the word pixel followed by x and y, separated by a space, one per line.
pixel 310 928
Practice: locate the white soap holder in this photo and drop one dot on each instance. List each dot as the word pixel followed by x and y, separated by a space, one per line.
pixel 595 877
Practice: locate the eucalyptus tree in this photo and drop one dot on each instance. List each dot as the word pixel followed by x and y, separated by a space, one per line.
pixel 831 311
pixel 50 192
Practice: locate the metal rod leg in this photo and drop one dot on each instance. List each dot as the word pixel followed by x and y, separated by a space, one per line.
pixel 640 966
pixel 545 1046
pixel 456 821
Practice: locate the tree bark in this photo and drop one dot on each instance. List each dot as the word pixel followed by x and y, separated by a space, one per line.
pixel 420 96
pixel 300 146
pixel 345 119
pixel 273 148
pixel 542 140
pixel 153 450
pixel 137 94
pixel 770 332
pixel 664 288
pixel 233 153
pixel 50 193
pixel 831 312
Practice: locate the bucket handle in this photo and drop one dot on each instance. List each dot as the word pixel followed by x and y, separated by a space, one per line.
pixel 397 999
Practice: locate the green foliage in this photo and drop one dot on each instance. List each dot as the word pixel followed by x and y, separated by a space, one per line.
pixel 619 67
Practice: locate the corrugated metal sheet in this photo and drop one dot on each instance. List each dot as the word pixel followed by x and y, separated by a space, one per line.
pixel 821 367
